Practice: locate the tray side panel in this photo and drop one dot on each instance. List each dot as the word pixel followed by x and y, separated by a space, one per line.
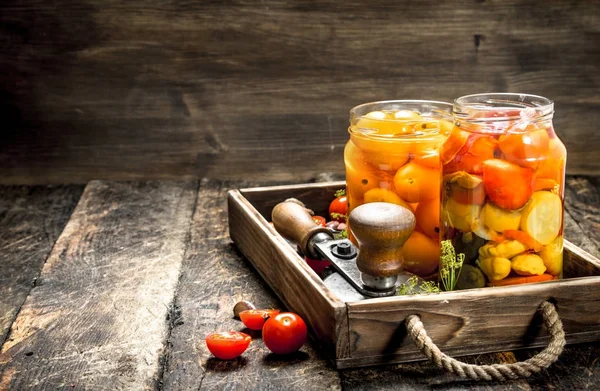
pixel 472 322
pixel 289 276
pixel 579 263
pixel 316 196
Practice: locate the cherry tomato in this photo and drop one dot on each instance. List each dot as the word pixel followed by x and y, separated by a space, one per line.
pixel 319 220
pixel 227 345
pixel 338 209
pixel 284 333
pixel 255 319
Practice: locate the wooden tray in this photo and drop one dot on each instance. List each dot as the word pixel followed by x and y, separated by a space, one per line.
pixel 372 331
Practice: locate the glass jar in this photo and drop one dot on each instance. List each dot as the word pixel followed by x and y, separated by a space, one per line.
pixel 393 156
pixel 503 190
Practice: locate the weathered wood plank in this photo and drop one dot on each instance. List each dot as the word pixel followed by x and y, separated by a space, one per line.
pixel 96 89
pixel 578 368
pixel 214 277
pixel 31 219
pixel 97 317
pixel 582 202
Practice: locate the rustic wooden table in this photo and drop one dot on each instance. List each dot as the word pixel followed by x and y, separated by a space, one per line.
pixel 114 286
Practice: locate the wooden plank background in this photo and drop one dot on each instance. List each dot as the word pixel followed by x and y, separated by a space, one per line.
pixel 261 90
pixel 87 335
pixel 97 315
pixel 31 219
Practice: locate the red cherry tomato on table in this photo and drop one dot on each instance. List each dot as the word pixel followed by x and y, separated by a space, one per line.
pixel 227 345
pixel 284 333
pixel 338 209
pixel 319 220
pixel 255 319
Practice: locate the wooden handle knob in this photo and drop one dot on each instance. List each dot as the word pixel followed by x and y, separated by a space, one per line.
pixel 381 229
pixel 294 222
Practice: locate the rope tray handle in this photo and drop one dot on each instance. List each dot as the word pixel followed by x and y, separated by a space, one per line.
pixel 500 372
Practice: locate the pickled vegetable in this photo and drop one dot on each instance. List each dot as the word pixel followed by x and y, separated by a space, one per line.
pixel 461 216
pixel 524 238
pixel 505 249
pixel 500 219
pixel 383 195
pixel 496 268
pixel 393 155
pixel 464 179
pixel 414 183
pixel 455 142
pixel 528 265
pixel 541 218
pixel 552 256
pixel 427 214
pixel 470 277
pixel 526 149
pixel 522 280
pixel 503 183
pixel 421 254
pixel 508 185
pixel 473 154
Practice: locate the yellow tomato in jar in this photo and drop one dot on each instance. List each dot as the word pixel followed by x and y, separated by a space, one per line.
pixel 415 183
pixel 427 215
pixel 421 254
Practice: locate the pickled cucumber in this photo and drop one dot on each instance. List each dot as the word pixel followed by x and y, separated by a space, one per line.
pixel 470 277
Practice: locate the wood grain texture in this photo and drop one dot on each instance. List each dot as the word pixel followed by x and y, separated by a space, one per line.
pixel 577 369
pixel 31 219
pixel 471 322
pixel 463 320
pixel 97 319
pixel 582 200
pixel 185 358
pixel 214 277
pixel 190 89
pixel 282 268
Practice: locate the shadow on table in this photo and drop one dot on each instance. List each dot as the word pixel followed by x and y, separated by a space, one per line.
pixel 218 365
pixel 276 360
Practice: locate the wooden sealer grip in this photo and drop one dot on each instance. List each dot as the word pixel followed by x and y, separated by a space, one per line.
pixel 294 222
pixel 381 229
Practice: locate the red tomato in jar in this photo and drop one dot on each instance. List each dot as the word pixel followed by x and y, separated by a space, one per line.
pixel 471 156
pixel 255 319
pixel 284 333
pixel 319 220
pixel 227 345
pixel 338 209
pixel 508 185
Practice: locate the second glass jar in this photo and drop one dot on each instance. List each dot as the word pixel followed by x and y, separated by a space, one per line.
pixel 503 189
pixel 393 155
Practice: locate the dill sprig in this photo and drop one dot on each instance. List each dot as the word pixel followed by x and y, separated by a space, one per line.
pixel 412 287
pixel 451 265
pixel 338 216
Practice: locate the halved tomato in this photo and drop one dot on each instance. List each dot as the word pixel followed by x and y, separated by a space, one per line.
pixel 255 319
pixel 227 345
